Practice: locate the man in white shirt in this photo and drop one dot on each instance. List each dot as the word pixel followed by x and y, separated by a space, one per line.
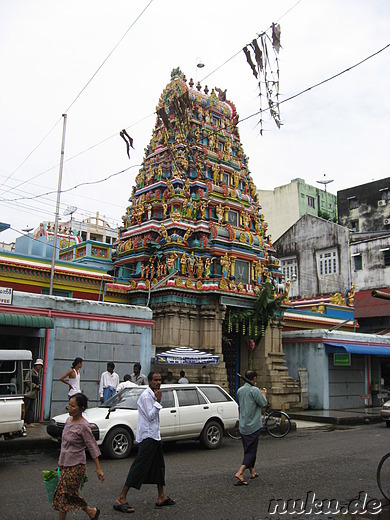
pixel 125 384
pixel 148 466
pixel 183 380
pixel 137 377
pixel 108 382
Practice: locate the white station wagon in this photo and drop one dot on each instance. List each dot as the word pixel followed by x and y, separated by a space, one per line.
pixel 193 411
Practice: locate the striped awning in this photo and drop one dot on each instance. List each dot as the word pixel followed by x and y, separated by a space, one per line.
pixel 186 356
pixel 26 320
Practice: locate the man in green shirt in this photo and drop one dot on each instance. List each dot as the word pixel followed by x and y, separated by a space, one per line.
pixel 250 401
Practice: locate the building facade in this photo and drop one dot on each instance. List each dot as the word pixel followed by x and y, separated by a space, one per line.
pixel 314 257
pixel 365 208
pixel 286 204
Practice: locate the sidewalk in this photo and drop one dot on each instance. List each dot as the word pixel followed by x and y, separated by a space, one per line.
pixel 36 437
pixel 351 416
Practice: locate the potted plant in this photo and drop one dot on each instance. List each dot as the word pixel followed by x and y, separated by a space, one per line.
pixel 375 385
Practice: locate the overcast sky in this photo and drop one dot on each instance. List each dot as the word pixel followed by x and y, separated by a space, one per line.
pixel 51 49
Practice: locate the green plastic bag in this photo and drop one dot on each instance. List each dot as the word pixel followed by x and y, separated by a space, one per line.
pixel 51 479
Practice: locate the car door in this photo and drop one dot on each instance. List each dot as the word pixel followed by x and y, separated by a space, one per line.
pixel 169 417
pixel 194 411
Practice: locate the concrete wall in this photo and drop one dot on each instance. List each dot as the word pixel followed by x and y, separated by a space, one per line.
pixel 95 331
pixel 330 386
pixel 311 356
pixel 374 273
pixel 304 241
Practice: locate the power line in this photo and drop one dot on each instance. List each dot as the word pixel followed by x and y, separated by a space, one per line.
pixel 107 58
pixel 79 94
pixel 320 83
pixel 74 187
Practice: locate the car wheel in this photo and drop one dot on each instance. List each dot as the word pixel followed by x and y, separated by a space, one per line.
pixel 211 436
pixel 388 424
pixel 118 443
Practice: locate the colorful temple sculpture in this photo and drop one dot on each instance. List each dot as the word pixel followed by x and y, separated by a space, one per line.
pixel 194 240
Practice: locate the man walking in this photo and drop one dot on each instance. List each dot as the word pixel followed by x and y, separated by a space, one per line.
pixel 250 401
pixel 108 382
pixel 33 386
pixel 148 466
pixel 137 377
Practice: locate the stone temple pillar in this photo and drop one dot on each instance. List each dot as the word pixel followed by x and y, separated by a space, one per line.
pixel 270 364
pixel 197 327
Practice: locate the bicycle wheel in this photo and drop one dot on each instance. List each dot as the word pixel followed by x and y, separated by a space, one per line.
pixel 234 432
pixel 383 476
pixel 278 424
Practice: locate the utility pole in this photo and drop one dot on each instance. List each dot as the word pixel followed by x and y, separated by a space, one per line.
pixel 53 258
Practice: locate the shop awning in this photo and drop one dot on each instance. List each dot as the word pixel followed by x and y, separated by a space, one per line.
pixel 187 356
pixel 26 320
pixel 354 348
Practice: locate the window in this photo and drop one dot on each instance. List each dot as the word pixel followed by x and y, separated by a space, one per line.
pixel 215 395
pixel 289 268
pixel 167 399
pixel 327 262
pixel 352 202
pixel 357 262
pixel 386 258
pixel 355 225
pixel 241 271
pixel 225 178
pixel 310 202
pixel 233 217
pixel 189 397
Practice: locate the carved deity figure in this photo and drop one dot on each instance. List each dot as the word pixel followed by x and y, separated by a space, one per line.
pixel 225 265
pixel 164 232
pixel 165 209
pixel 190 264
pixel 171 262
pixel 199 267
pixel 207 267
pixel 187 234
pixel 219 212
pixel 183 263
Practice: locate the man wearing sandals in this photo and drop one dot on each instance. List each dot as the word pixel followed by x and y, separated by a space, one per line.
pixel 148 466
pixel 250 401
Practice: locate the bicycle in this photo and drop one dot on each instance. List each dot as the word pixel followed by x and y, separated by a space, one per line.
pixel 383 476
pixel 275 422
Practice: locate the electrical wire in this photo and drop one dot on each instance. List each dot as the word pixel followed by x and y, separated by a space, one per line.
pixel 89 183
pixel 81 91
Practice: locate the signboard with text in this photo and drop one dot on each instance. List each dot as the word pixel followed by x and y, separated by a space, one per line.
pixel 342 359
pixel 6 295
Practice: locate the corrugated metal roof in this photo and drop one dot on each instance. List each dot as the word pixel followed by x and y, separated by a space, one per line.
pixel 356 348
pixel 366 306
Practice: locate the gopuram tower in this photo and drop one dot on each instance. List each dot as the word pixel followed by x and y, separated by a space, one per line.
pixel 194 241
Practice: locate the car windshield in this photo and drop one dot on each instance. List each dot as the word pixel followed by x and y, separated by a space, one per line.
pixel 127 398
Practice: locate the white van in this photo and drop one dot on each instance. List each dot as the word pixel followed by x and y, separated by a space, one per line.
pixel 14 364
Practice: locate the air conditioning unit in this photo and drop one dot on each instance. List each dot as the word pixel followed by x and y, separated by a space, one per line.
pixel 382 202
pixel 386 222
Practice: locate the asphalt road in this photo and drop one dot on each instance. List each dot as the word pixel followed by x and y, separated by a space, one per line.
pixel 307 465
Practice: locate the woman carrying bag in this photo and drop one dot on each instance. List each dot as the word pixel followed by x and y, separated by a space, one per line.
pixel 76 437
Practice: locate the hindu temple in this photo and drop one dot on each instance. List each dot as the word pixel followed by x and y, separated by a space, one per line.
pixel 194 241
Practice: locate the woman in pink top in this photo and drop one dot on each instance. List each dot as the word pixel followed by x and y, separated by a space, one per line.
pixel 76 437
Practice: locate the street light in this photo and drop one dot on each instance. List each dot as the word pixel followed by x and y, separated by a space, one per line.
pixel 325 182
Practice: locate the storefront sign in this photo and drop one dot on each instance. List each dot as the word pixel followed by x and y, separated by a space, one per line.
pixel 342 359
pixel 6 295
